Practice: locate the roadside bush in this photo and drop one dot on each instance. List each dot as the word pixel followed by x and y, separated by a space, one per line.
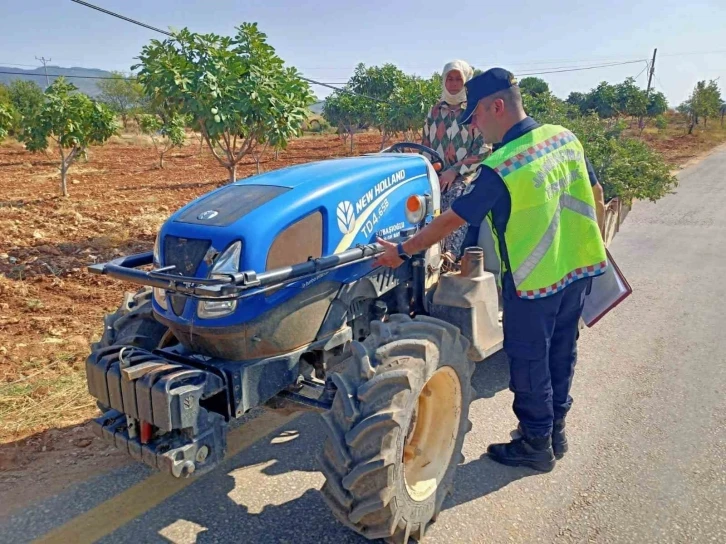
pixel 6 120
pixel 661 122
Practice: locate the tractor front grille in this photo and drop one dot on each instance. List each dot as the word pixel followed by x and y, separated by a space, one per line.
pixel 186 255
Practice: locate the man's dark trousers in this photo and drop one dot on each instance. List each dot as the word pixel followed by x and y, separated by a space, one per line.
pixel 540 338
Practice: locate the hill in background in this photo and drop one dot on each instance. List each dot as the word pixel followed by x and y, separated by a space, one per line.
pixel 87 86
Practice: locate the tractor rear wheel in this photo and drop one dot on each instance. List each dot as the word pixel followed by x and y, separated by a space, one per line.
pixel 396 427
pixel 134 324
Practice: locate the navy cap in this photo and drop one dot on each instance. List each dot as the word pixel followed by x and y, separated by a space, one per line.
pixel 485 84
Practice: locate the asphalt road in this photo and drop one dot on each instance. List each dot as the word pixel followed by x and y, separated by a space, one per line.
pixel 647 431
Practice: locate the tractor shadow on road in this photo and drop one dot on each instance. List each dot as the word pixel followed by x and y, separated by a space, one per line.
pixel 480 477
pixel 266 493
pixel 491 376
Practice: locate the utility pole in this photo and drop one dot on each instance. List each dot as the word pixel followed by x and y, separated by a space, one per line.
pixel 650 81
pixel 652 71
pixel 44 61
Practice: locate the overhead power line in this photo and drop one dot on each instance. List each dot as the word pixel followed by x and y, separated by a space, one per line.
pixel 581 68
pixel 647 66
pixel 122 17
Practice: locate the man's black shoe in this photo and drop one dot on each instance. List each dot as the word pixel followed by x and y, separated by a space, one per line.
pixel 533 453
pixel 559 439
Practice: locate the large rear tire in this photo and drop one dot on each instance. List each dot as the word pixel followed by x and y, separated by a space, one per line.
pixel 134 324
pixel 396 427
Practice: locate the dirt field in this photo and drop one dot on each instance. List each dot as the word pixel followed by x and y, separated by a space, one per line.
pixel 679 147
pixel 51 308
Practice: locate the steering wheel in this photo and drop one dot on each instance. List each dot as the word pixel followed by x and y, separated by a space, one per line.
pixel 401 147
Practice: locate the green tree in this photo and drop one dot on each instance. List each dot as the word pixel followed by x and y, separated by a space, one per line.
pixel 537 97
pixel 657 104
pixel 165 134
pixel 236 89
pixel 712 101
pixel 534 86
pixel 704 103
pixel 408 105
pixel 122 94
pixel 630 99
pixel 579 101
pixel 603 100
pixel 26 96
pixel 345 111
pixel 375 87
pixel 71 121
pixel 7 118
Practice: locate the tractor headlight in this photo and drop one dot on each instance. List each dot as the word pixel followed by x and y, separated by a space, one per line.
pixel 415 209
pixel 227 263
pixel 159 294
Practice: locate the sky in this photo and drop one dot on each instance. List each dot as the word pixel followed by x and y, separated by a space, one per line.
pixel 325 39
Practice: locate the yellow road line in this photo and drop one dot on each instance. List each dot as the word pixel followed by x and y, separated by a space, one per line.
pixel 116 512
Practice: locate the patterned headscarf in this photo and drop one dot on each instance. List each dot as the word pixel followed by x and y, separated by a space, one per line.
pixel 466 72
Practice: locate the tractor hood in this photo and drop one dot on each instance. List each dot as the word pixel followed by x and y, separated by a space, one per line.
pixel 312 180
pixel 287 216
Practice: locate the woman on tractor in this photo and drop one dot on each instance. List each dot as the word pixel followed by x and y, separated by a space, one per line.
pixel 461 146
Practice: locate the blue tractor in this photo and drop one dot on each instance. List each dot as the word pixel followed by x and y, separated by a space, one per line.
pixel 264 293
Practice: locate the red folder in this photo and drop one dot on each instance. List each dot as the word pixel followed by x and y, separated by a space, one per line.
pixel 607 291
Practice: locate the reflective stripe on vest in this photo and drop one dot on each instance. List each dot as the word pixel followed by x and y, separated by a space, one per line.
pixel 552 236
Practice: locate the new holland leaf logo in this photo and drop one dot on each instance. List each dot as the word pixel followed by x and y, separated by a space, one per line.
pixel 346 217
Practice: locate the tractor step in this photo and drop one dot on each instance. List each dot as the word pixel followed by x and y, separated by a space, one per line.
pixel 157 410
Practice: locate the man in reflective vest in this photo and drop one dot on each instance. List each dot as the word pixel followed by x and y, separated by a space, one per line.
pixel 534 190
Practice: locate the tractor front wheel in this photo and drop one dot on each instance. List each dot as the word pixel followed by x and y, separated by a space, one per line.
pixel 396 427
pixel 134 324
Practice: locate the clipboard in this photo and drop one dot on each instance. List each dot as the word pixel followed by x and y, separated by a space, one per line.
pixel 606 292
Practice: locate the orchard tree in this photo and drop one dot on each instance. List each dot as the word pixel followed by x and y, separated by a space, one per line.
pixel 534 86
pixel 704 103
pixel 603 100
pixel 345 111
pixel 408 105
pixel 375 87
pixel 122 94
pixel 165 134
pixel 7 118
pixel 657 104
pixel 579 101
pixel 236 89
pixel 26 96
pixel 69 121
pixel 631 100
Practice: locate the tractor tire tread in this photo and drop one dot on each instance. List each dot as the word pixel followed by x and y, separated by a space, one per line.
pixel 380 385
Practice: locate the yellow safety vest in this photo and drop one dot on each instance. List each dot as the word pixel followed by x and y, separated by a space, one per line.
pixel 552 236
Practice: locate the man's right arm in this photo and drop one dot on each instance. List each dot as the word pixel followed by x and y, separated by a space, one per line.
pixel 483 193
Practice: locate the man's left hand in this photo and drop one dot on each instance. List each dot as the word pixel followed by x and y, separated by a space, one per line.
pixel 389 257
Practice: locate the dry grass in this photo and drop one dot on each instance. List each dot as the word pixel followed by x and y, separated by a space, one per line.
pixel 42 382
pixel 45 393
pixel 127 138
